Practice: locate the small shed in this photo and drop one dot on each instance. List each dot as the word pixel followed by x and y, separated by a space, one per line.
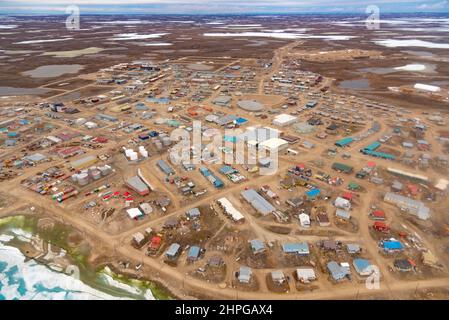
pixel 305 274
pixel 353 248
pixel 278 276
pixel 173 251
pixel 193 213
pixel 257 246
pixel 245 274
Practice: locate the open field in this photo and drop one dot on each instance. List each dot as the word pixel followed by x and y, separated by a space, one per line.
pixel 362 156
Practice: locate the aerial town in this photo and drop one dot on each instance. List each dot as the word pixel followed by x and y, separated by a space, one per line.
pixel 355 208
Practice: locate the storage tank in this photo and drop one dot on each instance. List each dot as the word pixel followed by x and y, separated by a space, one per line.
pixel 144 153
pixel 83 179
pixel 105 170
pixel 128 152
pixel 74 177
pixel 133 156
pixel 96 174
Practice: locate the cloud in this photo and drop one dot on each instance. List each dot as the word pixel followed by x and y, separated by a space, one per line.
pixel 221 6
pixel 434 6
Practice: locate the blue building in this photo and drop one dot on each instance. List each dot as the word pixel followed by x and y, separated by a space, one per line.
pixel 300 248
pixel 165 168
pixel 193 254
pixel 344 142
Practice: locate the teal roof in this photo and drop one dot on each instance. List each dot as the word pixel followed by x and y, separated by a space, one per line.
pixel 373 146
pixel 379 154
pixel 344 141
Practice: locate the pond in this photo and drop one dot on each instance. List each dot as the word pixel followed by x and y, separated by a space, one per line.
pixel 52 71
pixel 11 91
pixel 356 84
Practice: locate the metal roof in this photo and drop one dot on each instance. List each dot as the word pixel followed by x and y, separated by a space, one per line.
pixel 194 212
pixel 245 274
pixel 257 245
pixel 337 272
pixel 361 265
pixel 298 247
pixel 173 250
pixel 258 202
pixel 194 252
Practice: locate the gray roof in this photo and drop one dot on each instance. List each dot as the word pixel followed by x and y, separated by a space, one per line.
pixel 258 202
pixel 226 119
pixel 245 274
pixel 250 105
pixel 137 184
pixel 353 247
pixel 343 214
pixel 257 245
pixel 222 100
pixel 337 272
pixel 165 167
pixel 193 213
pixel 277 275
pixel 306 273
pixel 82 161
pixel 35 157
pixel 415 207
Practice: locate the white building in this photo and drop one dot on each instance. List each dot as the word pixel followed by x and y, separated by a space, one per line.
pixel 427 87
pixel 230 210
pixel 304 220
pixel 284 119
pixel 305 274
pixel 274 144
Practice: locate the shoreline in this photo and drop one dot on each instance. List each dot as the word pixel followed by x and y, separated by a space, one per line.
pixel 90 271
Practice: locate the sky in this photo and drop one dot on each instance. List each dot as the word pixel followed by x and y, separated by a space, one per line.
pixel 219 6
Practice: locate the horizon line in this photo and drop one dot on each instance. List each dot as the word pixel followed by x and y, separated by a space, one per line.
pixel 61 13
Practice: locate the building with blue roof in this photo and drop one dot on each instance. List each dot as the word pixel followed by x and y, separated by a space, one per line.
pixel 227 170
pixel 232 139
pixel 257 246
pixel 193 253
pixel 336 271
pixel 313 193
pixel 377 154
pixel 211 177
pixel 300 248
pixel 392 246
pixel 362 266
pixel 173 251
pixel 158 100
pixel 373 146
pixel 344 142
pixel 241 121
